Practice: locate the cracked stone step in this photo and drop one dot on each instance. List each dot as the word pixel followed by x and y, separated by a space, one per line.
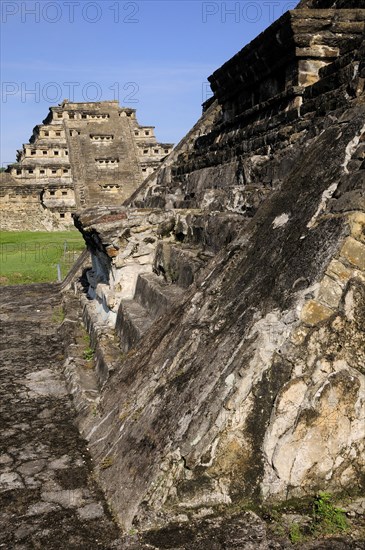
pixel 179 264
pixel 132 323
pixel 155 295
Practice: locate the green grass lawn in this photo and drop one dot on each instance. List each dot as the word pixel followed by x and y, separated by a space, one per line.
pixel 32 257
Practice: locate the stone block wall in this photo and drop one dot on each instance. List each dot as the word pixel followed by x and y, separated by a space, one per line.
pixel 251 143
pixel 252 386
pixel 22 208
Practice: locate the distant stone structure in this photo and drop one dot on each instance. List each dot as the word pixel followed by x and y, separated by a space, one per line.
pixel 84 154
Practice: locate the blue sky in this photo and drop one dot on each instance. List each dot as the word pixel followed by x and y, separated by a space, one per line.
pixel 152 55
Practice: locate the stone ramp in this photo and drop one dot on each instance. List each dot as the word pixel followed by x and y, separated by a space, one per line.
pixel 47 495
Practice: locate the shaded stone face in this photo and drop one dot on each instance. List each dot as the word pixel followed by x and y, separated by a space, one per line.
pixel 326 4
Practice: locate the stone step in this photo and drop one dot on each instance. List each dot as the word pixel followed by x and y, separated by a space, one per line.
pixel 179 264
pixel 155 294
pixel 133 320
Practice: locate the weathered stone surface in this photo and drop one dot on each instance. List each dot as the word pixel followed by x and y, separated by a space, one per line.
pixel 21 207
pixel 251 399
pixel 48 499
pixel 250 387
pixel 314 313
pixel 324 4
pixel 354 252
pixel 244 384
